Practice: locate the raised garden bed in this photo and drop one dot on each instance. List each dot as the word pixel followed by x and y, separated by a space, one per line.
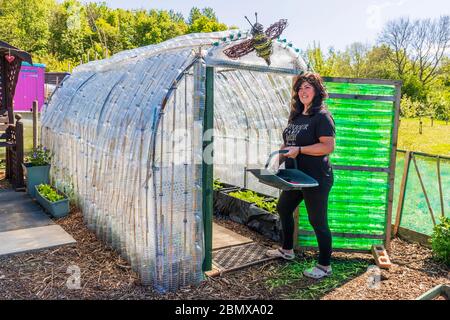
pixel 440 292
pixel 249 208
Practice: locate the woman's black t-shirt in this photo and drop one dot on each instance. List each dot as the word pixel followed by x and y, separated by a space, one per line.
pixel 305 130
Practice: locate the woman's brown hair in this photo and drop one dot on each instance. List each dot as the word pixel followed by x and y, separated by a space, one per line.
pixel 297 106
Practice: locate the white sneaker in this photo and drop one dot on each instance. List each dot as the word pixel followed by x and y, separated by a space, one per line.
pixel 278 253
pixel 317 272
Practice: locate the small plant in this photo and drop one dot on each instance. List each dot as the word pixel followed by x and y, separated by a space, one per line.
pixel 217 185
pixel 49 193
pixel 41 157
pixel 253 197
pixel 440 241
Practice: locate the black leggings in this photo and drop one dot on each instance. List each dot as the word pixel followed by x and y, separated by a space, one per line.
pixel 316 202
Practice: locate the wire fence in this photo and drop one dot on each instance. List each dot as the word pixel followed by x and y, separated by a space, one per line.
pixel 421 191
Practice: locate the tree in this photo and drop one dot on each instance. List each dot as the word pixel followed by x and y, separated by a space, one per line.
pixel 204 20
pixel 418 46
pixel 24 24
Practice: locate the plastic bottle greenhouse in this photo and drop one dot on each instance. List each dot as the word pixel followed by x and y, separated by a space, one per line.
pixel 129 134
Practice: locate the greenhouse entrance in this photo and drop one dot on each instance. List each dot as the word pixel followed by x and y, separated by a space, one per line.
pixel 366 113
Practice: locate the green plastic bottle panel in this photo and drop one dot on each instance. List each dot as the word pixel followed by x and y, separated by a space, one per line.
pixel 363 132
pixel 351 107
pixel 341 243
pixel 360 89
pixel 357 204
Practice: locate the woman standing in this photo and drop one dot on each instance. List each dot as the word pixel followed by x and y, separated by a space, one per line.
pixel 309 139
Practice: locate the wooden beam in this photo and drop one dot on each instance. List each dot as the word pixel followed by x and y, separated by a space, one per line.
pixel 35 124
pixel 360 168
pixel 440 185
pixel 360 97
pixel 362 81
pixel 392 162
pixel 207 180
pixel 401 197
pixel 414 236
pixel 423 189
pixel 427 154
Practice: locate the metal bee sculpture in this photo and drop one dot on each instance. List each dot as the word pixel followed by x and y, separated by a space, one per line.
pixel 261 41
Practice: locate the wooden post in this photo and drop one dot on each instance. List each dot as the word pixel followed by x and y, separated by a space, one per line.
pixel 392 162
pixel 35 124
pixel 440 185
pixel 424 191
pixel 19 183
pixel 401 197
pixel 208 179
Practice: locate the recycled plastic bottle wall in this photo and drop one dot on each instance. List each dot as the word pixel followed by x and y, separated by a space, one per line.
pixel 101 126
pixel 250 111
pixel 178 184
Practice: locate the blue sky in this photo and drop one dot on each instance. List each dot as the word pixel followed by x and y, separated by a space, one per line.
pixel 334 23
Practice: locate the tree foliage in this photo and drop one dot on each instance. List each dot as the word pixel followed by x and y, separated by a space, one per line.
pixel 63 35
pixel 66 33
pixel 415 52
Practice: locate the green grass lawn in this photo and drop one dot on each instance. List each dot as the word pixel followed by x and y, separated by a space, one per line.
pixel 433 140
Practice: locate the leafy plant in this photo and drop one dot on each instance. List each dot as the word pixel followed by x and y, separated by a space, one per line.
pixel 217 185
pixel 259 201
pixel 41 157
pixel 49 193
pixel 440 240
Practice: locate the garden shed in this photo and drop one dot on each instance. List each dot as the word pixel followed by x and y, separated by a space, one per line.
pixel 30 87
pixel 137 139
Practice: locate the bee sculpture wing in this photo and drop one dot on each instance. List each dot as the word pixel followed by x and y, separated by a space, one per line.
pixel 240 49
pixel 276 29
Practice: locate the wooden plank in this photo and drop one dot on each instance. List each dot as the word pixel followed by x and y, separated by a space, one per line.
pixel 362 80
pixel 223 238
pixel 304 248
pixel 207 169
pixel 360 168
pixel 35 124
pixel 435 292
pixel 423 189
pixel 5 144
pixel 401 197
pixel 360 97
pixel 413 236
pixel 392 162
pixel 345 235
pixel 440 185
pixel 427 154
pixel 32 239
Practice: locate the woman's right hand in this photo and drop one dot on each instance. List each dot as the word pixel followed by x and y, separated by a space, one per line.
pixel 292 152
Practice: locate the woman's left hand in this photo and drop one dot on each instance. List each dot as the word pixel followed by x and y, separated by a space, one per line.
pixel 293 152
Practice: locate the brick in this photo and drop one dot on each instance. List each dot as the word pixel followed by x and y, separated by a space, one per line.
pixel 381 256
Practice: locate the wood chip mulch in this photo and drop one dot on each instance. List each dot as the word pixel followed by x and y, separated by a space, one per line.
pixel 105 275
